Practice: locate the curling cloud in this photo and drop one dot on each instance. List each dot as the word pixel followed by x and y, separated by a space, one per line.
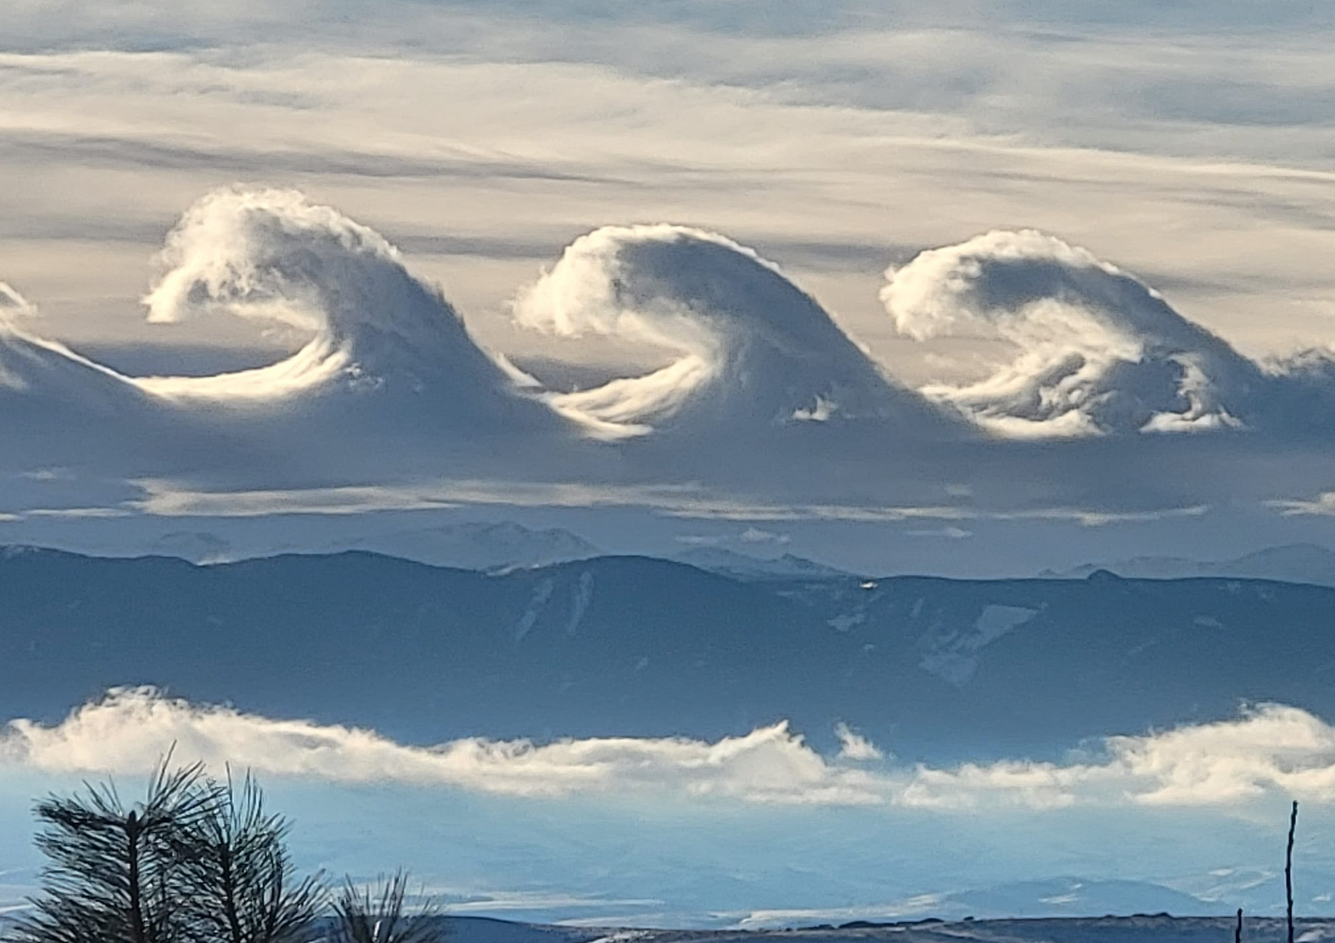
pixel 272 255
pixel 766 404
pixel 1268 751
pixel 1097 350
pixel 750 347
pixel 13 307
pixel 376 330
pixel 50 379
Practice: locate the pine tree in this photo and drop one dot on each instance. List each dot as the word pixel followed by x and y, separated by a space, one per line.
pixel 117 873
pixel 241 883
pixel 377 916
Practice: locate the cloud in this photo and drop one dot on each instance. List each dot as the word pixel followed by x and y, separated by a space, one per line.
pixel 13 306
pixel 273 256
pixel 950 533
pixel 1323 505
pixel 389 404
pixel 688 500
pixel 754 535
pixel 750 349
pixel 854 746
pixel 386 351
pixel 1096 351
pixel 1268 751
pixel 377 332
pixel 130 728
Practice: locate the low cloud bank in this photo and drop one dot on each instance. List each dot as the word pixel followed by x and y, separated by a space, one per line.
pixel 1267 751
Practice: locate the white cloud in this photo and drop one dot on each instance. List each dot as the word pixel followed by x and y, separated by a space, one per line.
pixel 751 349
pixel 950 533
pixel 130 728
pixel 110 143
pixel 274 256
pixel 1096 351
pixel 1268 751
pixel 13 306
pixel 1323 505
pixel 754 535
pixel 854 746
pixel 691 500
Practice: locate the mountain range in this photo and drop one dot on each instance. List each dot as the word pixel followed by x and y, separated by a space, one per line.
pixel 1293 563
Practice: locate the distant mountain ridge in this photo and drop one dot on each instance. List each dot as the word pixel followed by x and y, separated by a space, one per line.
pixel 469 545
pixel 927 667
pixel 1138 928
pixel 480 546
pixel 745 566
pixel 1291 563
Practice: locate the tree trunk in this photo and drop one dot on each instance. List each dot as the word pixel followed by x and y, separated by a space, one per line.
pixel 1288 868
pixel 132 836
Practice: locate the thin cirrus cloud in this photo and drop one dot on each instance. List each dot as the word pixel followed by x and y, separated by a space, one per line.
pixel 1268 750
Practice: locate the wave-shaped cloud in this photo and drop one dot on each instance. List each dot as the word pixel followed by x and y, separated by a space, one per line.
pixel 274 256
pixel 1097 351
pixel 751 348
pixel 388 379
pixel 767 401
pixel 43 384
pixel 1268 750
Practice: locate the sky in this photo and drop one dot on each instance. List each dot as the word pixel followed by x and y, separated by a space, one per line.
pixel 1007 249
pixel 1034 261
pixel 974 288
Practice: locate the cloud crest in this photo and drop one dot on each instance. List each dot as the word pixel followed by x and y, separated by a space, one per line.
pixel 1267 751
pixel 273 256
pixel 766 402
pixel 1096 350
pixel 751 349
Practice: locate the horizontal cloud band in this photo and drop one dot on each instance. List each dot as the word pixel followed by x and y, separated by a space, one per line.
pixel 1097 351
pixel 1268 750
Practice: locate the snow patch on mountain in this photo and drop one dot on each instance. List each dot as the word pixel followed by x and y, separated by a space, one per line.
pixel 579 601
pixel 542 594
pixel 954 656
